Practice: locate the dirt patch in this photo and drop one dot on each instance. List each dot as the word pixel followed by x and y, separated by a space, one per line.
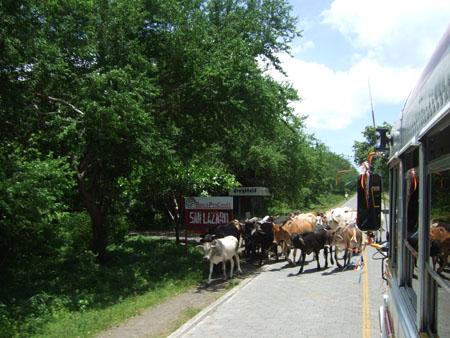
pixel 165 318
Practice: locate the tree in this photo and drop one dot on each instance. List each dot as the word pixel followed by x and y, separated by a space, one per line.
pixel 112 87
pixel 363 149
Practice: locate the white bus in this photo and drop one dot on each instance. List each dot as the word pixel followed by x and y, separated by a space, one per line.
pixel 419 165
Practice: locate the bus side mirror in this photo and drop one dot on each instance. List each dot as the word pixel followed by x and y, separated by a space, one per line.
pixel 383 140
pixel 369 203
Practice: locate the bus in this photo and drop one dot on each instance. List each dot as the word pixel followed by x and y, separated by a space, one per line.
pixel 417 303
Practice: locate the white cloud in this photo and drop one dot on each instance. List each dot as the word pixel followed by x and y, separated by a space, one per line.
pixel 395 32
pixel 392 40
pixel 303 46
pixel 332 100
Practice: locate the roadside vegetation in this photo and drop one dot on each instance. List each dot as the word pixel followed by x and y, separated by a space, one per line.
pixel 112 113
pixel 73 296
pixel 82 298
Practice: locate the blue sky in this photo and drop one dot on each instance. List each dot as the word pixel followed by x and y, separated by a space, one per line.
pixel 346 45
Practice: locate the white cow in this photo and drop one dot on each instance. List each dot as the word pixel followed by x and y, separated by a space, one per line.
pixel 221 250
pixel 340 216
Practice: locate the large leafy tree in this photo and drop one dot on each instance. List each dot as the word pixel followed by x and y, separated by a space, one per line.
pixel 114 86
pixel 84 92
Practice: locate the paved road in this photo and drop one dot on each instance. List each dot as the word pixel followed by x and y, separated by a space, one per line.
pixel 277 302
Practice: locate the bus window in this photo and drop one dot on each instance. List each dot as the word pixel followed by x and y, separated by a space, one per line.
pixel 439 144
pixel 440 241
pixel 394 214
pixel 412 216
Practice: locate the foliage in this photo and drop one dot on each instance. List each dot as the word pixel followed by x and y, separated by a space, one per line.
pixel 113 111
pixel 34 196
pixel 363 149
pixel 135 267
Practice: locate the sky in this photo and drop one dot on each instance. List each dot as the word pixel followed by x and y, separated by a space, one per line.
pixel 355 54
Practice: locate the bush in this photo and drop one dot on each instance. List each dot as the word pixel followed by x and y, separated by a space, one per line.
pixel 138 265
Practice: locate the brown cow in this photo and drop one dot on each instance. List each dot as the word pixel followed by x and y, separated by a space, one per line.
pixel 284 233
pixel 346 238
pixel 441 234
pixel 312 217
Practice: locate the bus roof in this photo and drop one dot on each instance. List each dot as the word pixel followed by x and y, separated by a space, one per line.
pixel 428 102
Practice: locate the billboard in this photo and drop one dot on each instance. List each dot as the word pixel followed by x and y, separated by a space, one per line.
pixel 204 212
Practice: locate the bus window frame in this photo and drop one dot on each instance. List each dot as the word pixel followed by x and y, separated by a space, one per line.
pixel 428 315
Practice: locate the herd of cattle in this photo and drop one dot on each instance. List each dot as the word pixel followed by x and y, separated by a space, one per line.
pixel 257 238
pixel 260 237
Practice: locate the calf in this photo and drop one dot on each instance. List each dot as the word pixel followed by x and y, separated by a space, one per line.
pixel 346 238
pixel 221 250
pixel 283 235
pixel 311 242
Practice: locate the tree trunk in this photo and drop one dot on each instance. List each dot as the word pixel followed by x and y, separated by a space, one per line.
pixel 175 216
pixel 99 231
pixel 99 235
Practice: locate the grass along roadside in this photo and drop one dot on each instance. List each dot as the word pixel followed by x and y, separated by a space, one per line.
pixel 90 322
pixel 87 298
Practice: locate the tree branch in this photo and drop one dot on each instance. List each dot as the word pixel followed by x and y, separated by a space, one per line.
pixel 49 98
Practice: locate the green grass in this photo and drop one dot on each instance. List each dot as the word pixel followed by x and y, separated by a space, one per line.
pixel 86 298
pixel 87 323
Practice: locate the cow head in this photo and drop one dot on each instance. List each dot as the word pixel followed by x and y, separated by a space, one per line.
pixel 207 238
pixel 208 249
pixel 276 233
pixel 437 232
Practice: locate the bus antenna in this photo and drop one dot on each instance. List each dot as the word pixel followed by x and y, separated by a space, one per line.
pixel 371 105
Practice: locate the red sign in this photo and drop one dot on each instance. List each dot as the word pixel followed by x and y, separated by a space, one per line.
pixel 204 212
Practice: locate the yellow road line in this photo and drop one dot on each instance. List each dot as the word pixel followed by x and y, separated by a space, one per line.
pixel 366 303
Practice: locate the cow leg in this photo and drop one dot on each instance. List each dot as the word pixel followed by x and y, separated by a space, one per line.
pixel 330 248
pixel 287 252
pixel 346 257
pixel 231 267
pixel 302 258
pixel 434 260
pixel 336 257
pixel 294 254
pixel 325 254
pixel 211 267
pixel 317 259
pixel 275 247
pixel 224 266
pixel 443 262
pixel 238 263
